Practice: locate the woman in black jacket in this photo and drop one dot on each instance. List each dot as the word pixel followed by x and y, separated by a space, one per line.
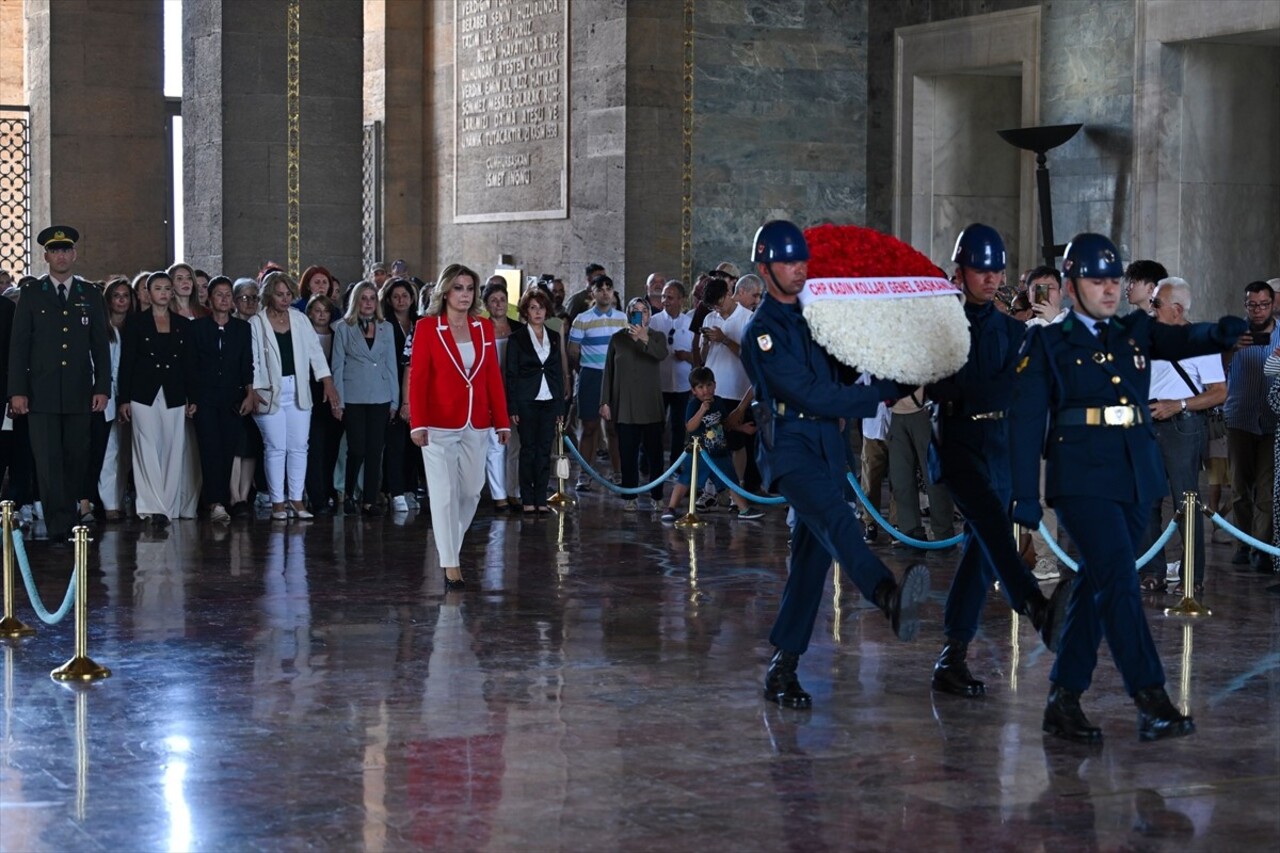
pixel 155 393
pixel 536 385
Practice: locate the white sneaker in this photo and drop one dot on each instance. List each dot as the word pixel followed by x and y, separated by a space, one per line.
pixel 25 515
pixel 1173 571
pixel 262 501
pixel 1046 569
pixel 38 512
pixel 411 500
pixel 645 504
pixel 219 513
pixel 399 504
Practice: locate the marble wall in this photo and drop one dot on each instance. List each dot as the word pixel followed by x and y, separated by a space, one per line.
pixel 780 94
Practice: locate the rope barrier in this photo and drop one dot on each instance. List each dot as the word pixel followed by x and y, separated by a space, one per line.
pixel 923 544
pixel 604 481
pixel 1244 537
pixel 720 475
pixel 20 551
pixel 1142 561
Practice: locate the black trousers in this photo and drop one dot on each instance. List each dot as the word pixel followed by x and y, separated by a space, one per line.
pixel 60 446
pixel 537 430
pixel 676 402
pixel 399 463
pixel 366 425
pixel 15 457
pixel 219 429
pixel 322 455
pixel 631 437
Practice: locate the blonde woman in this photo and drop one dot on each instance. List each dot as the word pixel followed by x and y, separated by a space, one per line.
pixel 286 353
pixel 368 386
pixel 456 399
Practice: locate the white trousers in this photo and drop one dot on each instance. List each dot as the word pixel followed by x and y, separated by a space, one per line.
pixel 189 503
pixel 454 462
pixel 502 466
pixel 285 436
pixel 115 465
pixel 159 446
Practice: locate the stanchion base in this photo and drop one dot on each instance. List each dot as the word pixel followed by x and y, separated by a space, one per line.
pixel 13 628
pixel 1188 606
pixel 561 499
pixel 80 669
pixel 690 519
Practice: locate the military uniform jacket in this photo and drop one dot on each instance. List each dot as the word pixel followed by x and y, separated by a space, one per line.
pixel 59 357
pixel 786 365
pixel 1066 367
pixel 982 387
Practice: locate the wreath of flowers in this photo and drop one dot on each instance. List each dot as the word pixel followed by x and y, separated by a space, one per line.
pixel 913 340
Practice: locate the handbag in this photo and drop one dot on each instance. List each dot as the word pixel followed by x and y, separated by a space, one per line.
pixel 1217 424
pixel 264 394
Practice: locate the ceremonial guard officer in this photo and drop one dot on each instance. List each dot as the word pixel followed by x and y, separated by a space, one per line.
pixel 800 400
pixel 59 373
pixel 973 463
pixel 1087 379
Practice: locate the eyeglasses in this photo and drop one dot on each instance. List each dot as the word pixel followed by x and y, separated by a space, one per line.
pixel 1156 303
pixel 1258 306
pixel 243 298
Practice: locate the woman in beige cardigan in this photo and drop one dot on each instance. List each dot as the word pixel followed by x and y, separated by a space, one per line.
pixel 286 352
pixel 631 392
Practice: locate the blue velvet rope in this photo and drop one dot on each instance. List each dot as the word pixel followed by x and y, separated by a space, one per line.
pixel 20 553
pixel 923 544
pixel 1142 561
pixel 704 459
pixel 587 469
pixel 1244 537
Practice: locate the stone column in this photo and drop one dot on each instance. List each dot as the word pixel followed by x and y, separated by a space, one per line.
pixel 236 134
pixel 95 82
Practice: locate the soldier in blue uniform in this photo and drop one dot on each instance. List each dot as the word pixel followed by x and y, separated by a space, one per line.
pixel 59 372
pixel 973 462
pixel 800 400
pixel 1080 398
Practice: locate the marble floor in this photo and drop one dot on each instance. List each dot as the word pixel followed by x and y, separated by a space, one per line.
pixel 312 686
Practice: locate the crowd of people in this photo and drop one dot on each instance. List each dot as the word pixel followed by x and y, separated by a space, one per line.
pixel 175 394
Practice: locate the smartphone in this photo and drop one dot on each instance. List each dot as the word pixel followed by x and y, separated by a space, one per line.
pixel 635 318
pixel 1261 338
pixel 1042 294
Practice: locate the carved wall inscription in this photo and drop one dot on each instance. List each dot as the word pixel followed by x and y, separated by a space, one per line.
pixel 510 110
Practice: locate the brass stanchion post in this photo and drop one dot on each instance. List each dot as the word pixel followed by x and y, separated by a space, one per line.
pixel 561 497
pixel 81 667
pixel 1188 606
pixel 11 627
pixel 690 519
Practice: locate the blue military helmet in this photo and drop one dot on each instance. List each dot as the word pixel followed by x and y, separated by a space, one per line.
pixel 979 247
pixel 1092 256
pixel 779 241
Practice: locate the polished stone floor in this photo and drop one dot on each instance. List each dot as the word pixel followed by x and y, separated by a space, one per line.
pixel 312 686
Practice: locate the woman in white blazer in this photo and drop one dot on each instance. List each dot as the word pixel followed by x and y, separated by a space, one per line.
pixel 286 352
pixel 368 386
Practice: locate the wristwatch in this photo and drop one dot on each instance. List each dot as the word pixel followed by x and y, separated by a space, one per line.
pixel 1183 401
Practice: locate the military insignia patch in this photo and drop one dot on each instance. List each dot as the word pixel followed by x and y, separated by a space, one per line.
pixel 765 343
pixel 1022 365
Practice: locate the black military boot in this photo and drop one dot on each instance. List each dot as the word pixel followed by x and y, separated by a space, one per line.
pixel 901 602
pixel 1047 615
pixel 1063 717
pixel 951 673
pixel 781 684
pixel 1157 718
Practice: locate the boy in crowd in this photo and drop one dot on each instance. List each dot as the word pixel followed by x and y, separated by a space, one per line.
pixel 706 418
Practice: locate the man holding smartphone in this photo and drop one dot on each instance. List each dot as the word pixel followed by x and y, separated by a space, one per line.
pixel 1251 425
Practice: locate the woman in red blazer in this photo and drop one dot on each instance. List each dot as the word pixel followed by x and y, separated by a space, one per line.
pixel 456 397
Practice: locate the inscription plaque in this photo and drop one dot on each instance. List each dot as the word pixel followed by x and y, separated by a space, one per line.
pixel 511 119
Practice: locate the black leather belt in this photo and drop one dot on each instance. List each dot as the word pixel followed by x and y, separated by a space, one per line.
pixel 1105 416
pixel 782 410
pixel 956 410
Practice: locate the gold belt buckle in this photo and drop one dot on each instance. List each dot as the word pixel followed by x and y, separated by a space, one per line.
pixel 1121 416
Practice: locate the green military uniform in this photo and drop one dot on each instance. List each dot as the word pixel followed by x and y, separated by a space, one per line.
pixel 59 359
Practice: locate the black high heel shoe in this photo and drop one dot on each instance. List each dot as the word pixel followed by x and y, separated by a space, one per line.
pixel 454 585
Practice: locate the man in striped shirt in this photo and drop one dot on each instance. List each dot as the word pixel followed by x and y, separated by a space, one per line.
pixel 588 344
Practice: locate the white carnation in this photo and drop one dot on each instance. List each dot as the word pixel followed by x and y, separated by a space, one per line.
pixel 913 341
